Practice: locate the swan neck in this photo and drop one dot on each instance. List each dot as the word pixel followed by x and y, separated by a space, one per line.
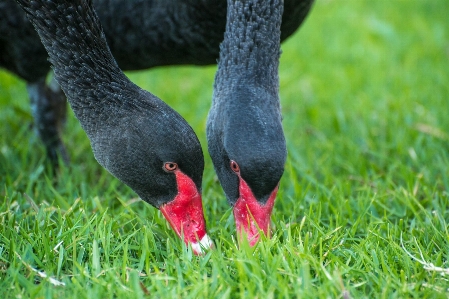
pixel 251 46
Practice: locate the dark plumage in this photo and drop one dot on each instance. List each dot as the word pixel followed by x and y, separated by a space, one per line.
pixel 244 130
pixel 140 33
pixel 133 134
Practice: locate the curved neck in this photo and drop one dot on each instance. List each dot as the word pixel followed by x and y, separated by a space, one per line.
pixel 251 47
pixel 81 59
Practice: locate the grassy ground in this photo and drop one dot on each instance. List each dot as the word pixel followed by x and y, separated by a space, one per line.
pixel 363 209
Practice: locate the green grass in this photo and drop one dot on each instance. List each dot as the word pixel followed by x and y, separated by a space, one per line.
pixel 363 209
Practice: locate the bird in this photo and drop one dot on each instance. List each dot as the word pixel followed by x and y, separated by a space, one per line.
pixel 244 127
pixel 134 135
pixel 141 34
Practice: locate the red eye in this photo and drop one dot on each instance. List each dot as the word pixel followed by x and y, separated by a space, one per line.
pixel 170 166
pixel 235 167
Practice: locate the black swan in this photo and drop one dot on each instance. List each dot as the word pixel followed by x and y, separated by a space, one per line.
pixel 244 130
pixel 141 34
pixel 134 135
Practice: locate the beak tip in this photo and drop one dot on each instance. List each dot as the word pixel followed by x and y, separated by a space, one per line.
pixel 204 244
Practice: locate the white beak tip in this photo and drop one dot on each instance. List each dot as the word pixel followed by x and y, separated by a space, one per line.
pixel 204 244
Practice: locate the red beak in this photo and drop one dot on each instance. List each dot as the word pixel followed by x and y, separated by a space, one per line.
pixel 250 215
pixel 185 214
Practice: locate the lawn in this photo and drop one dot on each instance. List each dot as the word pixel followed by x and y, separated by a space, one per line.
pixel 363 208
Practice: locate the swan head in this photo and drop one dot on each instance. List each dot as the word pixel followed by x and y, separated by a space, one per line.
pixel 153 150
pixel 247 146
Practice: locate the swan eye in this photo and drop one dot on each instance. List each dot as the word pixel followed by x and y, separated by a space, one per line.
pixel 170 166
pixel 235 167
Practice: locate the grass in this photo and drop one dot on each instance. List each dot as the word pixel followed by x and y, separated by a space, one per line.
pixel 363 209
